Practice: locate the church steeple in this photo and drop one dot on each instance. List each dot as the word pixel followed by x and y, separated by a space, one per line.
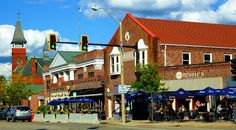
pixel 46 47
pixel 18 37
pixel 45 50
pixel 18 52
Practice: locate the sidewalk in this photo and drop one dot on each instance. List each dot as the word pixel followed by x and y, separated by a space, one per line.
pixel 192 124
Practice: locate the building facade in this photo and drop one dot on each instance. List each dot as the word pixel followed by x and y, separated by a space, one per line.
pixel 191 55
pixel 76 75
pixel 27 68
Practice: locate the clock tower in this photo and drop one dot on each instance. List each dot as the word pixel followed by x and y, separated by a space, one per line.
pixel 18 47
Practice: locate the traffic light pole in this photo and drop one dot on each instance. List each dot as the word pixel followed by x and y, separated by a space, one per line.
pixel 122 69
pixel 99 44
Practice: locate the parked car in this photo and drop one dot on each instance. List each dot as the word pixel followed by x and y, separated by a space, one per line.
pixel 19 113
pixel 3 113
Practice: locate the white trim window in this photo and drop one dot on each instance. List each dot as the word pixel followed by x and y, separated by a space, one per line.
pixel 142 53
pixel 207 58
pixel 186 58
pixel 227 57
pixel 115 61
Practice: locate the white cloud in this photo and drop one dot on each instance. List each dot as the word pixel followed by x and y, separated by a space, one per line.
pixel 197 4
pixel 212 11
pixel 196 16
pixel 227 11
pixel 6 34
pixel 143 4
pixel 5 70
pixel 35 39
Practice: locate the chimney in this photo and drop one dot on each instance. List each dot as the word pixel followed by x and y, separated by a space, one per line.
pixel 34 66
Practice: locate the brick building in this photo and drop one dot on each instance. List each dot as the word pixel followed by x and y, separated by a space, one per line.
pixel 190 55
pixel 74 75
pixel 28 68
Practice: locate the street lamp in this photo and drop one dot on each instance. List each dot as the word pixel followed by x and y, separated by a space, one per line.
pixel 121 63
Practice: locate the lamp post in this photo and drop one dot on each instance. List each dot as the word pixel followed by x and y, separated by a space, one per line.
pixel 121 63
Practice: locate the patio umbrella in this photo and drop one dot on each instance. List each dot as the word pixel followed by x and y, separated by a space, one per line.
pixel 65 100
pixel 83 100
pixel 206 92
pixel 226 91
pixel 181 94
pixel 53 103
pixel 159 97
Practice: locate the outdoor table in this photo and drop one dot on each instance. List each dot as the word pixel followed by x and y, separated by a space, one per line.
pixel 204 115
pixel 207 116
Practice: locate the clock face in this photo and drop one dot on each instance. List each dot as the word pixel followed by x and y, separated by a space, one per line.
pixel 19 61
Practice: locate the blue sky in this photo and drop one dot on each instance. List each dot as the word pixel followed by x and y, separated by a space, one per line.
pixel 39 17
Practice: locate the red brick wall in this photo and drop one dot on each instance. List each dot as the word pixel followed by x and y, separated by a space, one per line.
pixel 16 54
pixel 156 56
pixel 174 54
pixel 34 104
pixel 90 55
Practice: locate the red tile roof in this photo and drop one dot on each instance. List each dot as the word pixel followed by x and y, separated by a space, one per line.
pixel 189 33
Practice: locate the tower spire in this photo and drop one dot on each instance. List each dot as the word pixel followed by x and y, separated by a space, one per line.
pixel 18 37
pixel 18 14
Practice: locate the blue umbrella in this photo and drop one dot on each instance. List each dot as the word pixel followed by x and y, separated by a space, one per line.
pixel 140 94
pixel 206 91
pixel 65 100
pixel 159 97
pixel 53 103
pixel 83 100
pixel 227 91
pixel 181 94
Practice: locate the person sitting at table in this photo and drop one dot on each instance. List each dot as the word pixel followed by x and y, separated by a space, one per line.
pixel 219 111
pixel 181 112
pixel 170 113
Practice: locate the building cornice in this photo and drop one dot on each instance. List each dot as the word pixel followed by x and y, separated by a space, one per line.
pixel 196 46
pixel 74 66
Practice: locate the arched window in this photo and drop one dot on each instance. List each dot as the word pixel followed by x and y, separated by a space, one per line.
pixel 142 56
pixel 115 61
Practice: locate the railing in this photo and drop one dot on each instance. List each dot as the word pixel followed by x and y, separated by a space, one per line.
pixel 84 83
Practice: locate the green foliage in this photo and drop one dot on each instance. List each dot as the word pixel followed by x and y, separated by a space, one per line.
pixel 12 93
pixel 148 79
pixel 43 108
pixel 2 79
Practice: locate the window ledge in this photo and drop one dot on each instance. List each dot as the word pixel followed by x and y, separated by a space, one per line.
pixel 115 73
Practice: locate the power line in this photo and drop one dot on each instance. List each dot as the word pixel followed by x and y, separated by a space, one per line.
pixel 5 67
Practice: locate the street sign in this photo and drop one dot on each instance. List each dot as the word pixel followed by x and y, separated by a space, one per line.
pixel 122 89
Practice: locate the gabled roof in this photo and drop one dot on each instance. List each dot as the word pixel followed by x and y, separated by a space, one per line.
pixel 69 56
pixel 64 57
pixel 27 69
pixel 188 33
pixel 18 37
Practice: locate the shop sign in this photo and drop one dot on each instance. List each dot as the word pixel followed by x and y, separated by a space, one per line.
pixel 189 75
pixel 122 89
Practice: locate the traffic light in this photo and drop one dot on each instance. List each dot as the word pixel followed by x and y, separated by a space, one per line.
pixel 52 41
pixel 233 66
pixel 84 43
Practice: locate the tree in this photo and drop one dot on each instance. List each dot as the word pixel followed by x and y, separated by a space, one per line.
pixel 148 80
pixel 13 92
pixel 2 87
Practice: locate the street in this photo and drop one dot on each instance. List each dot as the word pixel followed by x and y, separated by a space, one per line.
pixel 18 125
